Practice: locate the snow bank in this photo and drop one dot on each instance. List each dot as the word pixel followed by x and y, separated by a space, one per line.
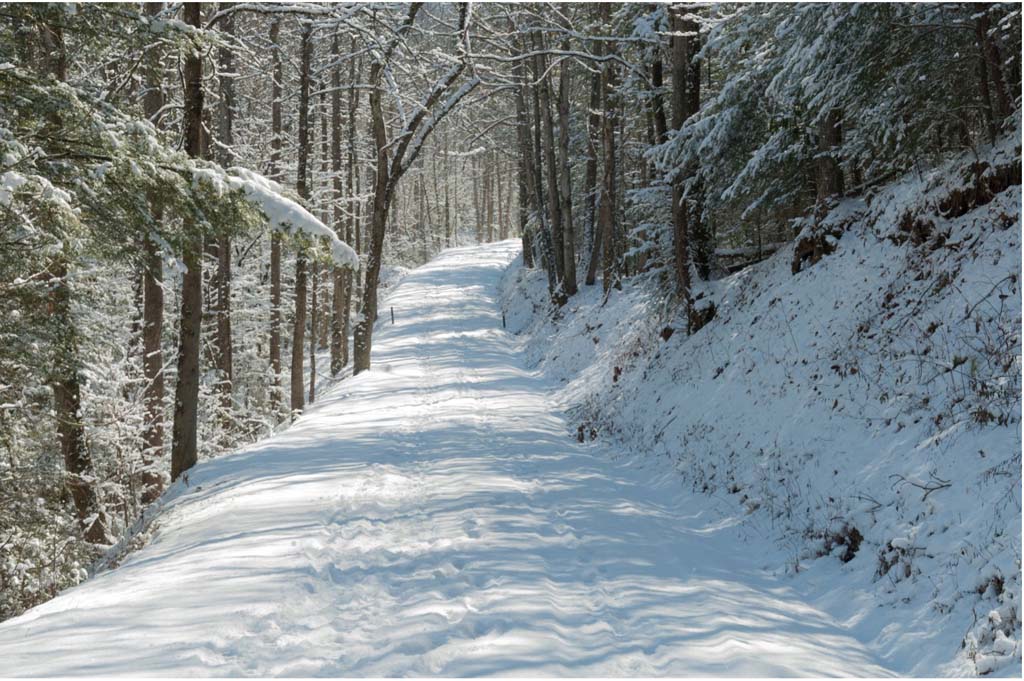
pixel 865 411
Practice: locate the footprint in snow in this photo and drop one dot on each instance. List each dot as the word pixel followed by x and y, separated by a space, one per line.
pixel 471 528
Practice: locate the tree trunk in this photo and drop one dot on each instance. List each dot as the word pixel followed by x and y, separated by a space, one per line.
pixel 391 164
pixel 436 221
pixel 226 122
pixel 153 305
pixel 360 232
pixel 657 131
pixel 314 319
pixel 565 178
pixel 353 228
pixel 524 179
pixel 65 378
pixel 681 56
pixel 152 369
pixel 994 63
pixel 606 215
pixel 302 187
pixel 275 238
pixel 544 233
pixel 322 326
pixel 363 336
pixel 554 204
pixel 66 385
pixel 495 196
pixel 422 214
pixel 341 278
pixel 658 100
pixel 186 393
pixel 699 235
pixel 447 203
pixel 447 216
pixel 477 213
pixel 986 96
pixel 298 334
pixel 830 176
pixel 592 235
pixel 503 207
pixel 489 193
pixel 225 356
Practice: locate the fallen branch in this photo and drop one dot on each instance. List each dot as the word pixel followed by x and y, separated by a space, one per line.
pixel 933 485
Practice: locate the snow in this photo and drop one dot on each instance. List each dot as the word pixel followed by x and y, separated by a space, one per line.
pixel 436 516
pixel 10 181
pixel 832 399
pixel 283 213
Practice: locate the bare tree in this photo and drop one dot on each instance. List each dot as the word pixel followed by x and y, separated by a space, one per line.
pixel 394 157
pixel 341 278
pixel 607 224
pixel 565 179
pixel 590 228
pixel 226 157
pixel 275 237
pixel 302 187
pixel 554 202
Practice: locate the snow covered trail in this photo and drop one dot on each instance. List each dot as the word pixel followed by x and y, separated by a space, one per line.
pixel 434 517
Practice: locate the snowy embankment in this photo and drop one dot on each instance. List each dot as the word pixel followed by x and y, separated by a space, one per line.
pixel 864 412
pixel 435 516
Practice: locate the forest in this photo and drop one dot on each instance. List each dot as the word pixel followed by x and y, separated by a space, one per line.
pixel 209 213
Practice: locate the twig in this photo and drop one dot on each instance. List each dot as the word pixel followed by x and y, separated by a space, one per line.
pixel 933 485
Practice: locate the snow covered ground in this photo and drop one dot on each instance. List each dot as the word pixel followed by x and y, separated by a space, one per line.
pixel 863 412
pixel 436 516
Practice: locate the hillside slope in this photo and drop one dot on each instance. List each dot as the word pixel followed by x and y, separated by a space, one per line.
pixel 865 411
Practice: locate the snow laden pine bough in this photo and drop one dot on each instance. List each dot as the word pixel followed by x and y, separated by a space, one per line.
pixel 284 214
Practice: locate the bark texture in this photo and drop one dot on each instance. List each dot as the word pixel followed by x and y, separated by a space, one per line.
pixel 302 187
pixel 275 238
pixel 186 393
pixel 151 480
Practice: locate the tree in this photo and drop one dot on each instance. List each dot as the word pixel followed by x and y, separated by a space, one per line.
pixel 554 202
pixel 153 302
pixel 525 182
pixel 829 174
pixel 547 255
pixel 565 179
pixel 65 361
pixel 93 176
pixel 776 111
pixel 683 51
pixel 225 147
pixel 591 231
pixel 394 161
pixel 302 187
pixel 275 237
pixel 341 279
pixel 186 391
pixel 606 212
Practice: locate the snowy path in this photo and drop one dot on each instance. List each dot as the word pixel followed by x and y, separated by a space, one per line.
pixel 434 516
